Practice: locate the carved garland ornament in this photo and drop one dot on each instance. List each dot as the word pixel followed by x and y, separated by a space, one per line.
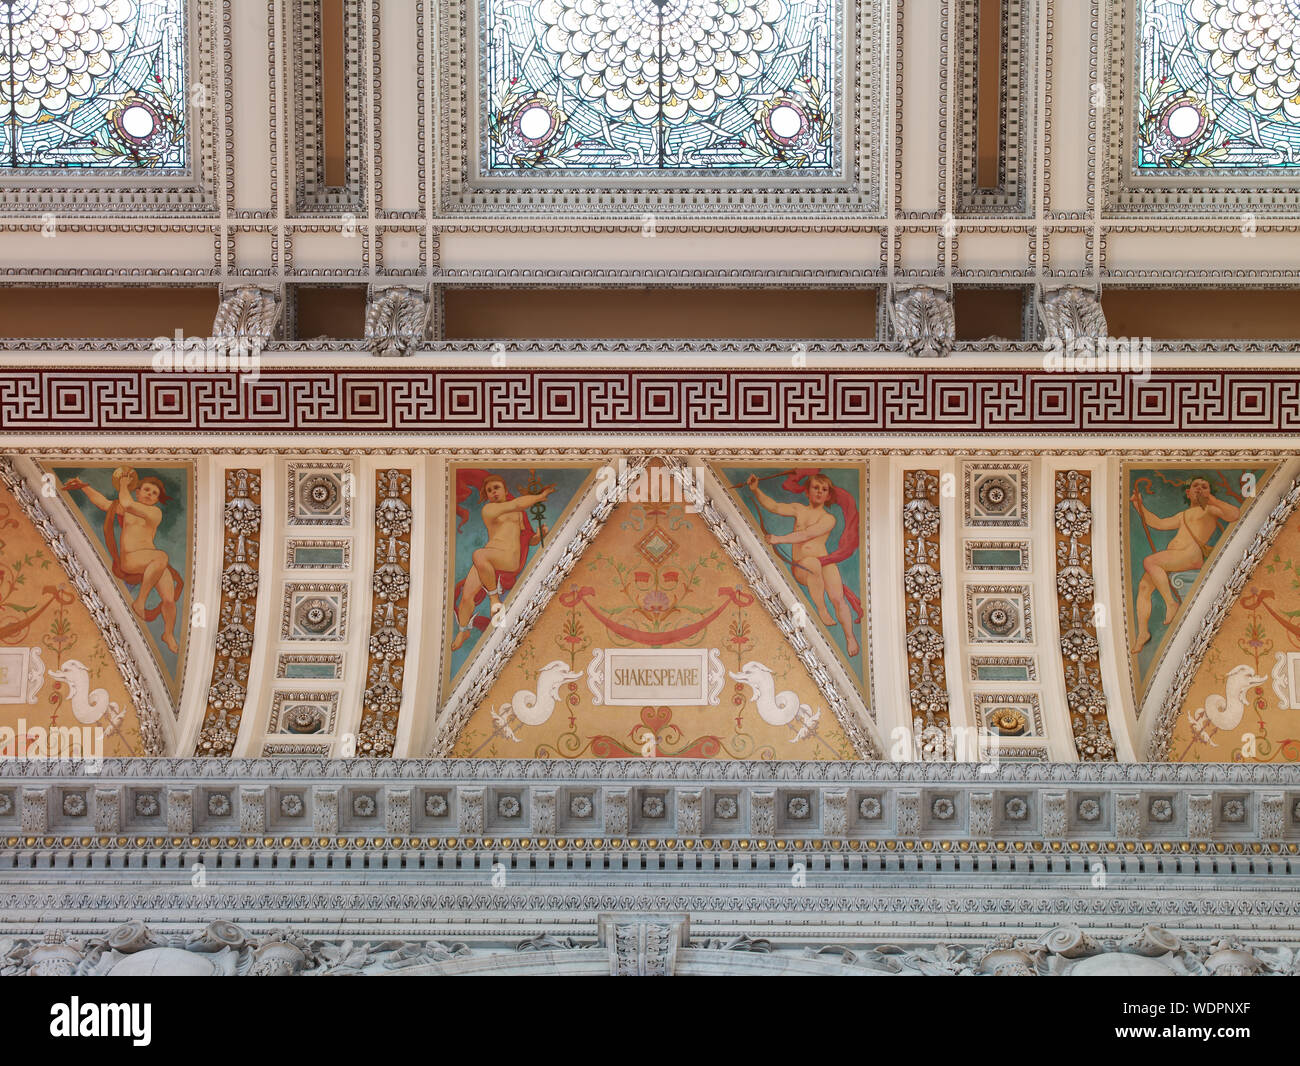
pixel 391 585
pixel 634 947
pixel 1075 589
pixel 923 612
pixel 239 582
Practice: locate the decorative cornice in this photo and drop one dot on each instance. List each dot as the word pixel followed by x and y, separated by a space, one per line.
pixel 442 807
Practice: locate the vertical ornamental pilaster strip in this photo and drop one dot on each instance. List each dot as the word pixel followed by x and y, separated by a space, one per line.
pixel 1075 591
pixel 241 549
pixel 391 588
pixel 923 614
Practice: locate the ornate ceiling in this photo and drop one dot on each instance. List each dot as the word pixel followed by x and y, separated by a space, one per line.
pixel 715 611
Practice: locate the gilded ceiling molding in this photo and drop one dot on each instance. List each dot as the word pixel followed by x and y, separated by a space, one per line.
pixel 1211 622
pixel 192 192
pixel 1018 37
pixel 381 703
pixel 1075 590
pixel 305 35
pixel 466 185
pixel 241 553
pixel 151 734
pixel 1186 191
pixel 923 616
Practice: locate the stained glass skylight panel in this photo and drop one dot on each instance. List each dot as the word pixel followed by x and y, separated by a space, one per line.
pixel 93 84
pixel 653 86
pixel 1218 85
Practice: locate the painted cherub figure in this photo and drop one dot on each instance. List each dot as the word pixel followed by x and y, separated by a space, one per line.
pixel 508 539
pixel 1188 550
pixel 137 560
pixel 813 523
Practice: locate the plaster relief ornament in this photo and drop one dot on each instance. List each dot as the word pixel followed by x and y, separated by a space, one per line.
pixel 249 313
pixel 1070 313
pixel 923 320
pixel 1224 712
pixel 92 83
pixel 88 705
pixel 397 320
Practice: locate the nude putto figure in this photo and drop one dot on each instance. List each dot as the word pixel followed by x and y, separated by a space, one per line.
pixel 1188 550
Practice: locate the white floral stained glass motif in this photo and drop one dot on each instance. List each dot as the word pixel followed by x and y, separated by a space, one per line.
pixel 654 86
pixel 92 84
pixel 1219 85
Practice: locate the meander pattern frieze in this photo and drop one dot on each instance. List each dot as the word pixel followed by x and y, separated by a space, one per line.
pixel 812 400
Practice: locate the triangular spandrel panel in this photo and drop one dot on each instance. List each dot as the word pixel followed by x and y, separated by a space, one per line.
pixel 61 692
pixel 1243 704
pixel 1177 517
pixel 813 519
pixel 654 646
pixel 501 517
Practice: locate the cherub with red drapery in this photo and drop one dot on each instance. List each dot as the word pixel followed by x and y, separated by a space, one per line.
pixel 813 564
pixel 137 560
pixel 496 565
